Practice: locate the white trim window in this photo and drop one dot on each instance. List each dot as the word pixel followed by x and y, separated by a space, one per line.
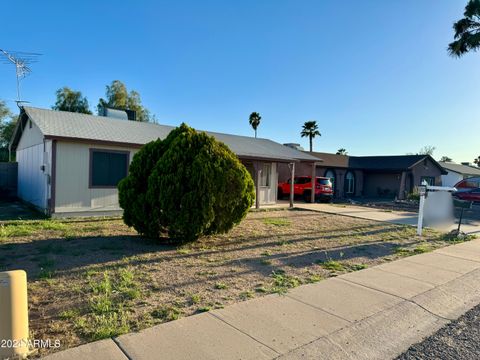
pixel 349 183
pixel 266 174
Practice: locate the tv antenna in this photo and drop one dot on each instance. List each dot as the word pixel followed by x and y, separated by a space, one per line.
pixel 21 60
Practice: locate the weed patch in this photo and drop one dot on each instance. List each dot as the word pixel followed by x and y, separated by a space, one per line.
pixel 276 221
pixel 332 265
pixel 282 282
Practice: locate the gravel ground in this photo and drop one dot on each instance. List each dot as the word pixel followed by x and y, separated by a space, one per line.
pixel 457 340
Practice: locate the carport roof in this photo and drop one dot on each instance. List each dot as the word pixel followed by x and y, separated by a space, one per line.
pixel 82 127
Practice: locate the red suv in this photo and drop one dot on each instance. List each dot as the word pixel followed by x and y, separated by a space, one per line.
pixel 302 186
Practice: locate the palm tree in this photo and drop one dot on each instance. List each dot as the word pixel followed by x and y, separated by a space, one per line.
pixel 467 31
pixel 342 151
pixel 310 130
pixel 254 121
pixel 477 161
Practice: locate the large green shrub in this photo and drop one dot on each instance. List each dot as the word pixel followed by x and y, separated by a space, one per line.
pixel 186 186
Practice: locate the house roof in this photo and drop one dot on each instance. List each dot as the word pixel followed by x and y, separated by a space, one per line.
pixel 332 160
pixel 460 169
pixel 394 162
pixel 82 127
pixel 374 163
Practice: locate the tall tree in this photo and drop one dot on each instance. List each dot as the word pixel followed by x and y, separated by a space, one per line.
pixel 117 96
pixel 310 130
pixel 7 125
pixel 467 31
pixel 254 121
pixel 342 151
pixel 445 159
pixel 427 150
pixel 71 100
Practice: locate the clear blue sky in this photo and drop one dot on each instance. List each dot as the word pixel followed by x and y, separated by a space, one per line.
pixel 374 74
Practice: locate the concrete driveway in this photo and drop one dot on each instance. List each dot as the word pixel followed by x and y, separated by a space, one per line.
pixel 470 223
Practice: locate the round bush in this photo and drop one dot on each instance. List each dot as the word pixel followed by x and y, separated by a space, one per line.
pixel 186 186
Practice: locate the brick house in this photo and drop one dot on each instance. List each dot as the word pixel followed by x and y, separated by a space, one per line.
pixel 373 176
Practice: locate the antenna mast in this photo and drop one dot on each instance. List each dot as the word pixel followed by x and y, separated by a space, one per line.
pixel 21 60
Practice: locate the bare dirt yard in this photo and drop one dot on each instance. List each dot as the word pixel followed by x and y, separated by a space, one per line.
pixel 92 279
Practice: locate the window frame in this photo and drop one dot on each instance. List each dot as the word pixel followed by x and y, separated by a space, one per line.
pixel 266 175
pixel 349 182
pixel 90 170
pixel 430 180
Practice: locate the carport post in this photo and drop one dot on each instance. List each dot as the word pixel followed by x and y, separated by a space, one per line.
pixel 314 182
pixel 292 180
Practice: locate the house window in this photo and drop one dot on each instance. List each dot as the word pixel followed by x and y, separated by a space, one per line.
pixel 429 179
pixel 265 174
pixel 349 183
pixel 107 167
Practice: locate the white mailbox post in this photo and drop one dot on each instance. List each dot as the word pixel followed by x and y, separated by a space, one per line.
pixel 442 208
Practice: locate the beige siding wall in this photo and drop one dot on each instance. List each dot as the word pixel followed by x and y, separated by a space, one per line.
pixel 33 158
pixel 31 136
pixel 72 180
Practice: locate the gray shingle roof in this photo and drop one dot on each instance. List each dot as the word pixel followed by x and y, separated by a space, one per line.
pixel 461 169
pixel 62 124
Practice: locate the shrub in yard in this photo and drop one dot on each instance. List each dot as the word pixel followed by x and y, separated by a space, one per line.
pixel 186 186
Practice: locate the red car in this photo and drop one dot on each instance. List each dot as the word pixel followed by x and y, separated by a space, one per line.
pixel 302 186
pixel 468 183
pixel 469 195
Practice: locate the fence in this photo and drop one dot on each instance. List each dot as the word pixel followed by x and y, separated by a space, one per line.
pixel 8 179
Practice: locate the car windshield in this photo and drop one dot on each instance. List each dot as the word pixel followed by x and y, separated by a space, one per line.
pixel 324 182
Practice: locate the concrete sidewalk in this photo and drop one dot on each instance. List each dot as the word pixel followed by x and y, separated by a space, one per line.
pixel 375 313
pixel 395 217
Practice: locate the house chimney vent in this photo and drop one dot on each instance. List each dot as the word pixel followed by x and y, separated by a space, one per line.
pixel 120 114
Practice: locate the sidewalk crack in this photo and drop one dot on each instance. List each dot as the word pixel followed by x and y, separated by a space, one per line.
pixel 121 348
pixel 243 332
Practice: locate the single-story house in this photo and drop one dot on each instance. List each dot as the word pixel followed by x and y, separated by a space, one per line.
pixel 373 176
pixel 457 172
pixel 71 163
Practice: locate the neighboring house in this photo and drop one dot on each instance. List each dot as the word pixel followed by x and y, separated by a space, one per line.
pixel 373 176
pixel 70 163
pixel 457 172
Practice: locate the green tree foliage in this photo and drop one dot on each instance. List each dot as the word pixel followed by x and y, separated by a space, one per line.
pixel 71 100
pixel 254 121
pixel 427 150
pixel 446 159
pixel 186 186
pixel 467 31
pixel 342 151
pixel 477 161
pixel 7 125
pixel 117 96
pixel 310 130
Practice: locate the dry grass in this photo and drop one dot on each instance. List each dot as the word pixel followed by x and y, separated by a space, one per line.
pixel 91 279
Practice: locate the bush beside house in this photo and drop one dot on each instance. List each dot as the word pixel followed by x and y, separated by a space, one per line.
pixel 186 186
